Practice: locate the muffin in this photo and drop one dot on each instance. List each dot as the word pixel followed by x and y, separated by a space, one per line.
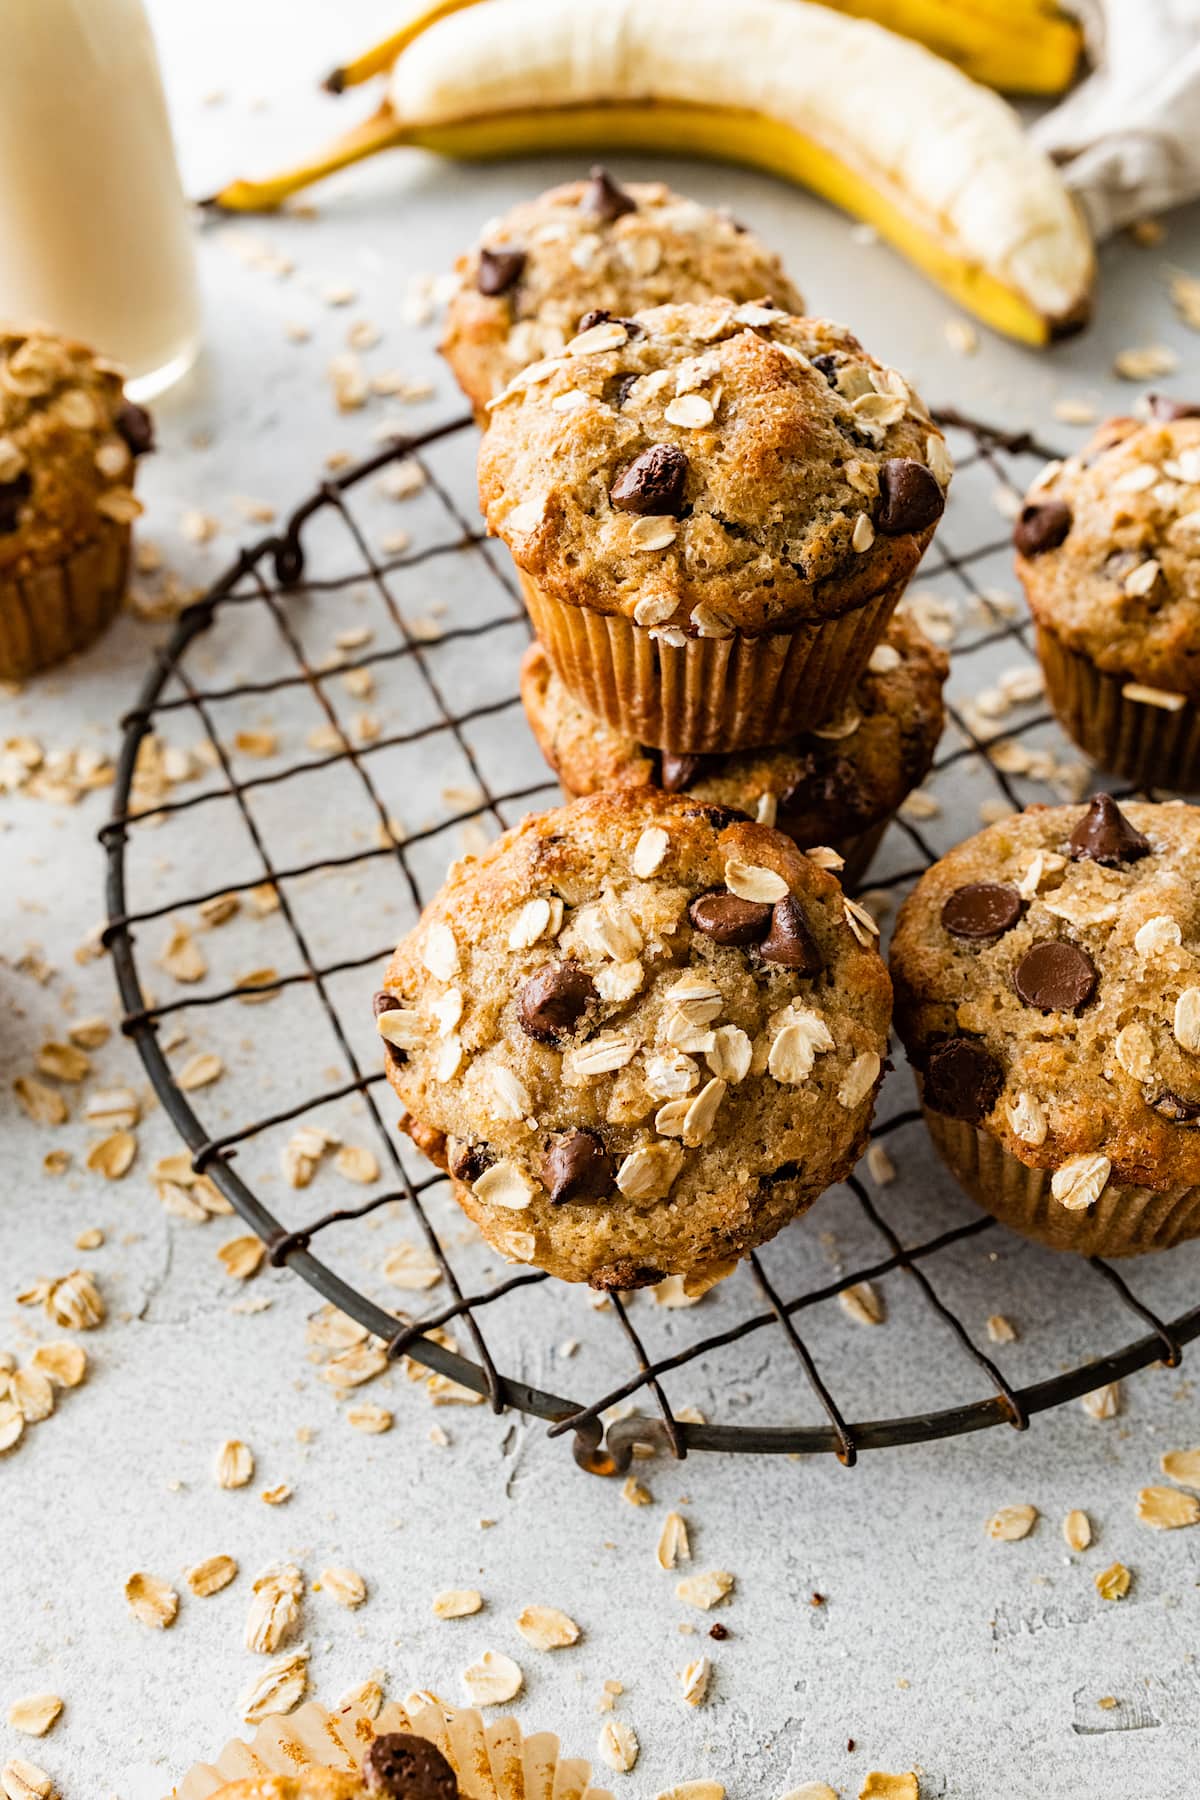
pixel 1108 552
pixel 838 785
pixel 713 510
pixel 68 443
pixel 1047 983
pixel 587 246
pixel 640 1033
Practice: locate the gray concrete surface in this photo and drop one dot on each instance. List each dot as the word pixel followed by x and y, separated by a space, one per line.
pixel 982 1664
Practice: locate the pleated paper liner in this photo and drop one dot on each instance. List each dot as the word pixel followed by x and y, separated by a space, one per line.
pixel 51 613
pixel 493 1759
pixel 710 694
pixel 1154 743
pixel 1124 1221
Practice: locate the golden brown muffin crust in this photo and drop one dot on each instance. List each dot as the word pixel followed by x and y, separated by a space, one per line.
pixel 1088 1047
pixel 1108 551
pixel 569 1024
pixel 713 468
pixel 549 261
pixel 68 440
pixel 820 787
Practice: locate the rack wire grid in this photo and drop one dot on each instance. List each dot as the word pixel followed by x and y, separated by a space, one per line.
pixel 429 625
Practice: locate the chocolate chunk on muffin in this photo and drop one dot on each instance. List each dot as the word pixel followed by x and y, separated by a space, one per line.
pixel 837 785
pixel 640 1035
pixel 713 510
pixel 69 440
pixel 1108 552
pixel 1047 979
pixel 591 249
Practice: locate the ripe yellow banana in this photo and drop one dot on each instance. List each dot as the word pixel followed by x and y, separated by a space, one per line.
pixel 1019 46
pixel 879 126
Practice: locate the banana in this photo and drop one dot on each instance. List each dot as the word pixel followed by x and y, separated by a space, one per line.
pixel 1020 46
pixel 872 122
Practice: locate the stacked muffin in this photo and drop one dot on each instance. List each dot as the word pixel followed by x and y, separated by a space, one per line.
pixel 643 1031
pixel 714 505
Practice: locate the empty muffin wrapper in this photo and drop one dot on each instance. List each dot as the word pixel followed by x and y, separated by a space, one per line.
pixel 493 1758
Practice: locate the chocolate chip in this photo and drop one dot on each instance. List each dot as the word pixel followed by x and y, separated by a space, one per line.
pixel 600 315
pixel 13 495
pixel 1041 526
pixel 718 1632
pixel 605 198
pixel 467 1162
pixel 789 942
pixel 677 772
pixel 962 1079
pixel 827 363
pixel 552 1002
pixel 653 482
pixel 385 1002
pixel 727 919
pixel 1055 976
pixel 1173 1106
pixel 1104 835
pixel 982 909
pixel 622 1277
pixel 1161 406
pixel 136 427
pixel 909 497
pixel 499 270
pixel 577 1167
pixel 720 818
pixel 402 1766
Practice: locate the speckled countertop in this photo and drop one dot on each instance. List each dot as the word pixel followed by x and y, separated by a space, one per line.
pixel 983 1664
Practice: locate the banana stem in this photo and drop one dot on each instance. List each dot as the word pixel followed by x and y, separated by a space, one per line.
pixel 381 56
pixel 380 132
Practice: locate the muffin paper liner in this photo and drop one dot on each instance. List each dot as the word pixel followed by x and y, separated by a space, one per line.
pixel 493 1758
pixel 710 694
pixel 55 611
pixel 1146 744
pixel 1124 1221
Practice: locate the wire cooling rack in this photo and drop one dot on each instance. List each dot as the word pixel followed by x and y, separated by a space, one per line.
pixel 299 803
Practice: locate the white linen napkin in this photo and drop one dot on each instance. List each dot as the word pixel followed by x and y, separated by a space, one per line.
pixel 1128 138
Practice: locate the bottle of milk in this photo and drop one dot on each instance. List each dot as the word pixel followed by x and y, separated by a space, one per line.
pixel 94 233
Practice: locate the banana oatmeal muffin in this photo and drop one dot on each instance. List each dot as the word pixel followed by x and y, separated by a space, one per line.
pixel 713 510
pixel 68 443
pixel 640 1033
pixel 837 785
pixel 593 246
pixel 1047 979
pixel 1108 552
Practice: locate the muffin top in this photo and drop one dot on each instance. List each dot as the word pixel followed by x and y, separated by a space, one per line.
pixel 1048 986
pixel 823 785
pixel 586 245
pixel 713 467
pixel 68 440
pixel 1108 551
pixel 628 1019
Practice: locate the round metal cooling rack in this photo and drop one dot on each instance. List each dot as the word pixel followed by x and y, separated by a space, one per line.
pixel 273 574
